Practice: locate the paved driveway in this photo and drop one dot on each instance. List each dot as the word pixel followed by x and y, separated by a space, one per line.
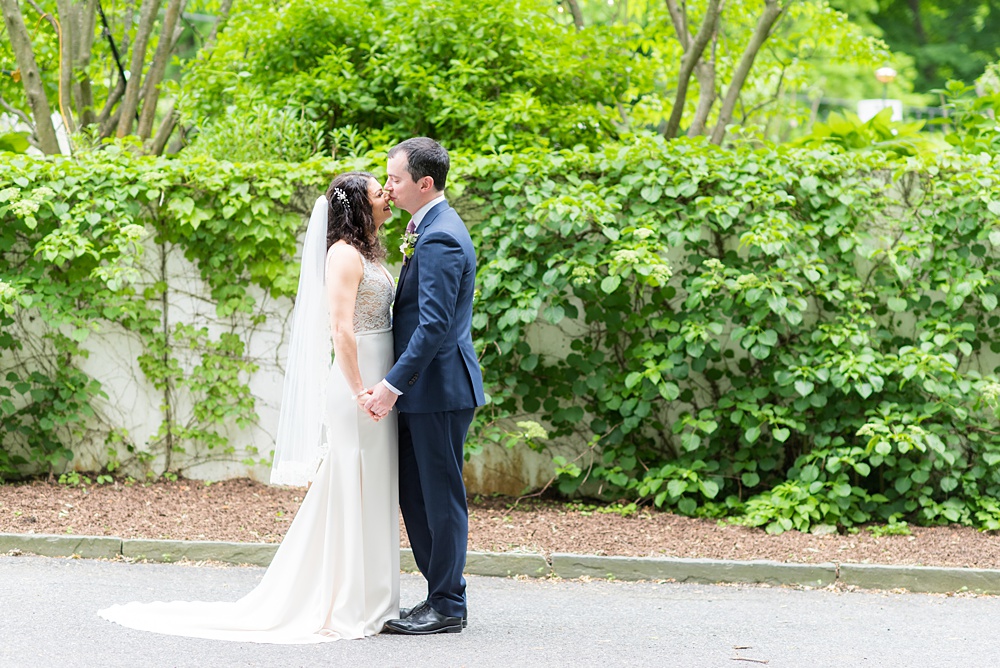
pixel 47 619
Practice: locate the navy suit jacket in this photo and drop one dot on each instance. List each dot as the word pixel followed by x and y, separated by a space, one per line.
pixel 436 367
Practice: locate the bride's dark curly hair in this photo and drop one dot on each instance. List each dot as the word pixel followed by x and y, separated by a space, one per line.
pixel 350 215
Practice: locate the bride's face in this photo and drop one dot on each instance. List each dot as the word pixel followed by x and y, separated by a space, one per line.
pixel 379 199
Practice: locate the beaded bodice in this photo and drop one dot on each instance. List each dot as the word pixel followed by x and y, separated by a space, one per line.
pixel 374 301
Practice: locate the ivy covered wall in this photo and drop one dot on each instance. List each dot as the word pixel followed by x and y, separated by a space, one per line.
pixel 794 337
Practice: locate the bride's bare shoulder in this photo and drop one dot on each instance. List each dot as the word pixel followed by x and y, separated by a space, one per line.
pixel 344 259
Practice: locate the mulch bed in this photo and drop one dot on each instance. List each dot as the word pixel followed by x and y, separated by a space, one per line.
pixel 244 510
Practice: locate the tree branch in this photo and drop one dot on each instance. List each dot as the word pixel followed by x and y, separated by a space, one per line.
pixel 130 102
pixel 84 43
pixel 25 118
pixel 574 9
pixel 156 70
pixel 30 78
pixel 693 49
pixel 163 134
pixel 67 14
pixel 773 9
pixel 678 16
pixel 705 73
pixel 224 8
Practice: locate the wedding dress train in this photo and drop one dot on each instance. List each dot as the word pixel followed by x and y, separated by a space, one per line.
pixel 336 573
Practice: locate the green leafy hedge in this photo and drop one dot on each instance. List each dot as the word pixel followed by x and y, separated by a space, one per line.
pixel 792 336
pixel 789 336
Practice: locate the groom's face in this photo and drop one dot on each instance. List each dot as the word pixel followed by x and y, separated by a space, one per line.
pixel 404 192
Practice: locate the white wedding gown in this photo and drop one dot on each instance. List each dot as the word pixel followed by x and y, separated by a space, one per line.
pixel 336 573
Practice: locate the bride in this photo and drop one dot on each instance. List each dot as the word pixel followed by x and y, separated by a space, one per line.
pixel 336 573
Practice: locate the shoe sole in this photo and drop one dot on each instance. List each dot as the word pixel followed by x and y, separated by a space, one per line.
pixel 446 629
pixel 465 622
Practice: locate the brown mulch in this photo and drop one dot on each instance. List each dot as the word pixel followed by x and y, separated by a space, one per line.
pixel 243 510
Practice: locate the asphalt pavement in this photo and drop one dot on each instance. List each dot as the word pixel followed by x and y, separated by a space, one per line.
pixel 48 619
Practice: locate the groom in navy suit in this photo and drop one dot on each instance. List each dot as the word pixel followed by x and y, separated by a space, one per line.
pixel 435 383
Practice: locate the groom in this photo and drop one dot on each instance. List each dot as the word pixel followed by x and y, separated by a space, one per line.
pixel 435 383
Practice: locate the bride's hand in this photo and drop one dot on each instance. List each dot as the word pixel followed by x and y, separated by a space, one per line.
pixel 362 398
pixel 380 401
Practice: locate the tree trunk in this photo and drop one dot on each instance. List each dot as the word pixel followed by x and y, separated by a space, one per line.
pixel 82 91
pixel 773 9
pixel 163 134
pixel 67 21
pixel 45 131
pixel 159 65
pixel 224 7
pixel 130 102
pixel 693 50
pixel 574 9
pixel 705 72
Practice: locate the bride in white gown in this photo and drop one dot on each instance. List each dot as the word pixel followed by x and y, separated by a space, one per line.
pixel 336 573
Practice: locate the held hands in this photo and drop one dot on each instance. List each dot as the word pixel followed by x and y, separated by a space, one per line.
pixel 362 397
pixel 380 401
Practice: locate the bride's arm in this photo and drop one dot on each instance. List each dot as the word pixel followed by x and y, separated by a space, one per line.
pixel 344 272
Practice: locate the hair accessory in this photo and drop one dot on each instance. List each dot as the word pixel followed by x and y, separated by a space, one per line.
pixel 342 196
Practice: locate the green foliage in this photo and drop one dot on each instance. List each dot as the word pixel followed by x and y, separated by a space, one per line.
pixel 260 133
pixel 972 117
pixel 880 133
pixel 948 39
pixel 893 528
pixel 14 142
pixel 793 337
pixel 802 337
pixel 497 73
pixel 73 262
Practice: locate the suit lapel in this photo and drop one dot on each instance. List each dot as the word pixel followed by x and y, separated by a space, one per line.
pixel 428 220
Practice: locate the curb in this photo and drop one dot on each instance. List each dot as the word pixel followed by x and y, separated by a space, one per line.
pixel 923 579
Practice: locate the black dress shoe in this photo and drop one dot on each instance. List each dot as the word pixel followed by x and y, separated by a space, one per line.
pixel 406 612
pixel 424 620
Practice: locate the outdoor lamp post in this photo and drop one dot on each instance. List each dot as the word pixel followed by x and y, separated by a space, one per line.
pixel 885 75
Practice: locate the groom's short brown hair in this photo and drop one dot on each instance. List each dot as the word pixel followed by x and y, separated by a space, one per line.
pixel 424 157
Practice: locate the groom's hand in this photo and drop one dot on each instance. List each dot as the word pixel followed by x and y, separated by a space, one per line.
pixel 380 401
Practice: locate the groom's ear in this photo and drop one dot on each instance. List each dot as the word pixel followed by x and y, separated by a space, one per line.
pixel 426 183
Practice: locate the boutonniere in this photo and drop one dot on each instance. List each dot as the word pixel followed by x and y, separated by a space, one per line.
pixel 409 241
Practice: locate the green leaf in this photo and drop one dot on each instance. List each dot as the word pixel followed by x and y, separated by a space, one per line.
pixel 677 487
pixel 669 391
pixel 633 379
pixel 841 489
pixel 897 304
pixel 651 193
pixel 709 488
pixel 903 485
pixel 809 473
pixel 610 284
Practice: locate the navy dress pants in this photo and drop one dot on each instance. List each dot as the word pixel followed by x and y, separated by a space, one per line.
pixel 433 504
